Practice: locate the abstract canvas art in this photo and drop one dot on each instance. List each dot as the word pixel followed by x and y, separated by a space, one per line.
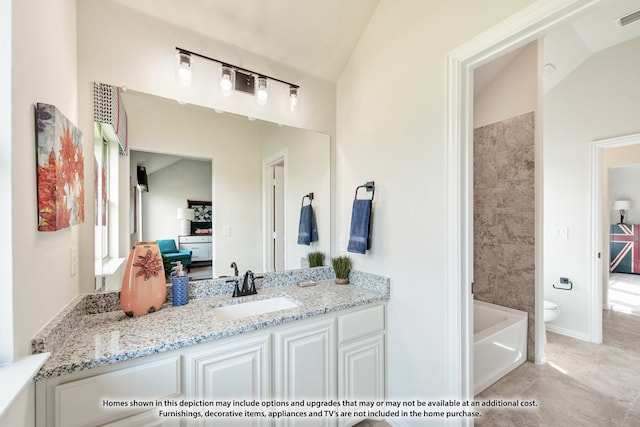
pixel 60 170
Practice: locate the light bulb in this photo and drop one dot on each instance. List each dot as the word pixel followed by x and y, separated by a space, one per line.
pixel 226 80
pixel 293 98
pixel 262 95
pixel 184 68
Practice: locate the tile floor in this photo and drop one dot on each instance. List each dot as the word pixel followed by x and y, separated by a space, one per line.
pixel 624 292
pixel 583 384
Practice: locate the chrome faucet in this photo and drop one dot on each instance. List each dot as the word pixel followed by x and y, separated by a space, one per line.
pixel 248 285
pixel 235 269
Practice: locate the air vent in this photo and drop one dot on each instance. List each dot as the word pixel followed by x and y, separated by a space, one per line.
pixel 628 19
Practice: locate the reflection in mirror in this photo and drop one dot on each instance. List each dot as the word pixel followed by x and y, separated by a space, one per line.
pixel 254 174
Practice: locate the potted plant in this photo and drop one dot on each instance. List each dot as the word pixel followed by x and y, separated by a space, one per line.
pixel 316 259
pixel 342 267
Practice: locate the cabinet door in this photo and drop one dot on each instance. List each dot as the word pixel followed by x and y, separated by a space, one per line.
pixel 305 366
pixel 81 402
pixel 237 368
pixel 361 371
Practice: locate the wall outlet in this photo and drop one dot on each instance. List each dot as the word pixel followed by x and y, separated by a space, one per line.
pixel 226 231
pixel 342 244
pixel 74 260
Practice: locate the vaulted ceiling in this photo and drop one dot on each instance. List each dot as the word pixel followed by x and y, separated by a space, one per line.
pixel 319 36
pixel 315 36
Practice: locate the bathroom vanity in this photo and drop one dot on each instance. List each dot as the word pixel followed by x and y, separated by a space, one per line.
pixel 327 343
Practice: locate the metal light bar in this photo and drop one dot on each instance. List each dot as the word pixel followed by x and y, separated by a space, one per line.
pixel 181 50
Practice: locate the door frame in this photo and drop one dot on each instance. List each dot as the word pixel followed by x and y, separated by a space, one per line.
pixel 596 303
pixel 525 26
pixel 267 207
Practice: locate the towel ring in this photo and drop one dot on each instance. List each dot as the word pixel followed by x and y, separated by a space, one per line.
pixel 309 196
pixel 370 186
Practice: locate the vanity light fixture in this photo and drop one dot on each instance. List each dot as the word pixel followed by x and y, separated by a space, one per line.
pixel 234 78
pixel 184 68
pixel 622 206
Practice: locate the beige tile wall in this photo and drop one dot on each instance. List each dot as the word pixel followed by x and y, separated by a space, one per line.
pixel 504 216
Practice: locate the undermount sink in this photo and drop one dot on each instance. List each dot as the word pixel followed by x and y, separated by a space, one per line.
pixel 253 308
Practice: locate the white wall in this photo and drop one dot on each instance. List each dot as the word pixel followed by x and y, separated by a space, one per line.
pixel 237 169
pixel 44 64
pixel 623 185
pixel 600 99
pixel 6 285
pixel 513 92
pixel 306 171
pixel 37 284
pixel 391 130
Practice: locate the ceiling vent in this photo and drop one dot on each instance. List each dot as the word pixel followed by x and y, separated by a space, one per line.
pixel 629 19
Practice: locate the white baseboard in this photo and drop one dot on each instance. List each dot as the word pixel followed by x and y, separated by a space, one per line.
pixel 569 333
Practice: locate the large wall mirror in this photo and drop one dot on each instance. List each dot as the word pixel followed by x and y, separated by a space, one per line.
pixel 253 173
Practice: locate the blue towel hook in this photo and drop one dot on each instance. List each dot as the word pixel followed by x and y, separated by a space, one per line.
pixel 370 186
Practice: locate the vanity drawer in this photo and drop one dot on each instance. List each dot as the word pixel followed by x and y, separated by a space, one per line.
pixel 80 402
pixel 195 239
pixel 361 323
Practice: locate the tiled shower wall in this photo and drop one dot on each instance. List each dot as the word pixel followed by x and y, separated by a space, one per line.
pixel 504 216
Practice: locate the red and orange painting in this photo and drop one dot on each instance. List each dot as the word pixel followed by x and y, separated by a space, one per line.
pixel 60 170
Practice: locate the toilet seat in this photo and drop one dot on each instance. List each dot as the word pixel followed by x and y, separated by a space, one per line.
pixel 551 311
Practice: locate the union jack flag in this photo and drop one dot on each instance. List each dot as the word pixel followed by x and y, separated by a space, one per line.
pixel 625 248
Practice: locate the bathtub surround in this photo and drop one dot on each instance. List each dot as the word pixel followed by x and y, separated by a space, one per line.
pixel 504 216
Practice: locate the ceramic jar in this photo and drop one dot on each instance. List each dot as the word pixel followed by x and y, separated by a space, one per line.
pixel 144 287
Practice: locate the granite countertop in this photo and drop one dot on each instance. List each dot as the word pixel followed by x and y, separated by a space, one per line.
pixel 85 336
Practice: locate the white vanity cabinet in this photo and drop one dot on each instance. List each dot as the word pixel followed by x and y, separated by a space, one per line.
pixel 361 356
pixel 233 368
pixel 305 367
pixel 81 398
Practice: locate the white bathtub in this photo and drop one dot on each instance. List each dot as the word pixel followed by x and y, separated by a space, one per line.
pixel 500 342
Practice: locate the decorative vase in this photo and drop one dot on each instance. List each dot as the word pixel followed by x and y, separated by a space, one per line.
pixel 342 281
pixel 144 287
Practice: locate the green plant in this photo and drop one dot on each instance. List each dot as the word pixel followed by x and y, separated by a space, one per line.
pixel 316 259
pixel 341 266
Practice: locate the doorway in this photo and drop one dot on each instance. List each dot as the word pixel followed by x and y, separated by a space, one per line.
pixel 526 26
pixel 606 154
pixel 274 172
pixel 172 181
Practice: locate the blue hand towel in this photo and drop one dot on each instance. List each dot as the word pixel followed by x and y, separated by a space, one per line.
pixel 360 236
pixel 307 230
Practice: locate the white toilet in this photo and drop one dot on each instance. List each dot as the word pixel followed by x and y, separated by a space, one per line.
pixel 551 311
